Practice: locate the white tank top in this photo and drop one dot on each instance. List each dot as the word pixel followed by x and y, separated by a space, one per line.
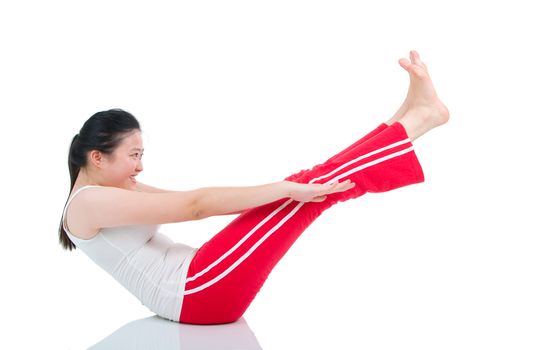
pixel 147 263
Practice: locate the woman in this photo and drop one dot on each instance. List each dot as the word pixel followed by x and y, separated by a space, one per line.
pixel 114 219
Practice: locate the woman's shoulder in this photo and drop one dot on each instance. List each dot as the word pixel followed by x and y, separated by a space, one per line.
pixel 107 207
pixel 74 220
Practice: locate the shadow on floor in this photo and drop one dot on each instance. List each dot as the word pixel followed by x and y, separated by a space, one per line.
pixel 157 333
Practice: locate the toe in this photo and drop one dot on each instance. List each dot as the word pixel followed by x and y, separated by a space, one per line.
pixel 405 63
pixel 415 58
pixel 412 55
pixel 412 68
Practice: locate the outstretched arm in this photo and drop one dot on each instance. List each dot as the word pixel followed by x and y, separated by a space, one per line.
pixel 212 201
pixel 141 187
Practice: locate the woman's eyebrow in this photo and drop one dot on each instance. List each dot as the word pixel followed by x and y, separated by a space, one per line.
pixel 137 149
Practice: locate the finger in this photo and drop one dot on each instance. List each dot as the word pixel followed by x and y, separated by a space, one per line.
pixel 331 186
pixel 335 186
pixel 319 199
pixel 330 190
pixel 343 189
pixel 350 186
pixel 327 187
pixel 331 183
pixel 345 185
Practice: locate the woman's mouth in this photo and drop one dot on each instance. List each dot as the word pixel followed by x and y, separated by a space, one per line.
pixel 133 179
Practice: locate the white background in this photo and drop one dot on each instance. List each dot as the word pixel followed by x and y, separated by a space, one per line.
pixel 232 93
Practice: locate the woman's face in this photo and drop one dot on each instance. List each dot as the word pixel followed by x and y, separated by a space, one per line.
pixel 125 162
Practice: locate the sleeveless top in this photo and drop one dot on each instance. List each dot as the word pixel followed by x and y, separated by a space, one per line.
pixel 147 263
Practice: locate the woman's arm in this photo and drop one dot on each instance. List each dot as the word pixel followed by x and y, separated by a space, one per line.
pixel 141 187
pixel 212 201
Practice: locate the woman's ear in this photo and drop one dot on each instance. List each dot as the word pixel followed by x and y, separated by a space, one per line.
pixel 95 157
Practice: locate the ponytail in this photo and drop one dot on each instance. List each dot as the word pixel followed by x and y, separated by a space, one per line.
pixel 74 170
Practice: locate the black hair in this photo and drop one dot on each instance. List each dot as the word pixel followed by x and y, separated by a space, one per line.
pixel 103 132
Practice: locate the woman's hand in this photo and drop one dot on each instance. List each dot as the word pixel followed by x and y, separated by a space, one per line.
pixel 317 192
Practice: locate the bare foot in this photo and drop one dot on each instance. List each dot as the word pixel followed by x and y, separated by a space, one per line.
pixel 422 110
pixel 403 62
pixel 421 95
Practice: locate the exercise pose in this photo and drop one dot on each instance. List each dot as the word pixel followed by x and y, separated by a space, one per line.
pixel 114 219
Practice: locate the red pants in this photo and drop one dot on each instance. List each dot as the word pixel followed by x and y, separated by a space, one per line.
pixel 228 271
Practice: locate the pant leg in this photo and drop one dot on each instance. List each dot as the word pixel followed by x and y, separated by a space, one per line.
pixel 372 133
pixel 229 270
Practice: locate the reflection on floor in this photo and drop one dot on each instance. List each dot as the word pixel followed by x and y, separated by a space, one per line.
pixel 157 333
